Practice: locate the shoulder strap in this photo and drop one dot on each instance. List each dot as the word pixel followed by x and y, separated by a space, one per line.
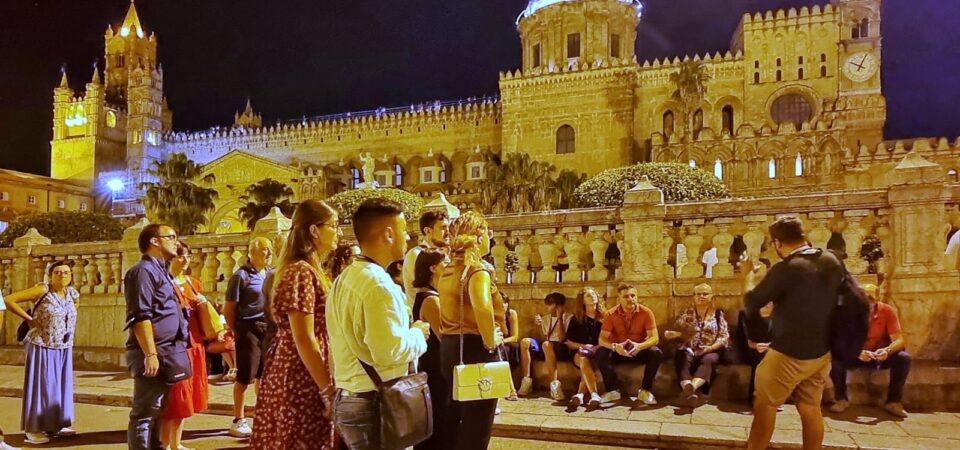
pixel 372 373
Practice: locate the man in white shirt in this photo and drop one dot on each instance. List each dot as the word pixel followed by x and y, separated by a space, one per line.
pixel 368 319
pixel 434 226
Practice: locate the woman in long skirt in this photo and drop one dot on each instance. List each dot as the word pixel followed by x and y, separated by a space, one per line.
pixel 48 372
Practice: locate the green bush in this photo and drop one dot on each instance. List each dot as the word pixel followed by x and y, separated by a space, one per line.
pixel 65 227
pixel 679 183
pixel 347 202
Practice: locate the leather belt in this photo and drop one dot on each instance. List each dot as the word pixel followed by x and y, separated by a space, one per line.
pixel 368 395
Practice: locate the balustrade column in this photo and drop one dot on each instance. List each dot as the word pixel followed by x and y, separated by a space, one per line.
pixel 853 234
pixel 819 232
pixel 598 249
pixel 90 273
pixel 499 253
pixel 754 237
pixel 669 244
pixel 115 267
pixel 693 242
pixel 549 252
pixel 209 273
pixel 722 242
pixel 575 251
pixel 643 213
pixel 523 249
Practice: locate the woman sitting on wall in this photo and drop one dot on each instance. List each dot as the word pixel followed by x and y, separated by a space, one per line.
pixel 705 333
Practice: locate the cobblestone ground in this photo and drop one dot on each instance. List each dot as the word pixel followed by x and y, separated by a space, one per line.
pixel 530 423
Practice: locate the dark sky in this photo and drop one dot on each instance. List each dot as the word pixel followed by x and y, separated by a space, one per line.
pixel 309 57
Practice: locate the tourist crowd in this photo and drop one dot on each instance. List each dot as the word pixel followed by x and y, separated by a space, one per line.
pixel 340 338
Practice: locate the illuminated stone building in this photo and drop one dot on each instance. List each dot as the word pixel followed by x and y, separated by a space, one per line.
pixel 794 104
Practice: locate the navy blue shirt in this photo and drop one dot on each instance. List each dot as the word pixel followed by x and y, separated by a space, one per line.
pixel 246 289
pixel 150 295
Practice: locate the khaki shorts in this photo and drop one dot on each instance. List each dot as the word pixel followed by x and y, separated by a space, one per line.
pixel 779 375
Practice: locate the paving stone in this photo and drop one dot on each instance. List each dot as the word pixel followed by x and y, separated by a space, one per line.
pixel 702 434
pixel 790 439
pixel 721 418
pixel 519 422
pixel 606 427
pixel 880 428
pixel 877 442
pixel 661 415
pixel 931 430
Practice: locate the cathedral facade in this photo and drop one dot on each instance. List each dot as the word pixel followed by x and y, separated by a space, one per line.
pixel 796 103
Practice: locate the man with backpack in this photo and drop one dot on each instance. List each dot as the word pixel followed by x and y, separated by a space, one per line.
pixel 804 288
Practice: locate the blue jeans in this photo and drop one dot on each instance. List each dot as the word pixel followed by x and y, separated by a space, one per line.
pixel 149 399
pixel 358 421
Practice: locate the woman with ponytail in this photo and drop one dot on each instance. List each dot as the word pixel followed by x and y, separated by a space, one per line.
pixel 468 301
pixel 295 401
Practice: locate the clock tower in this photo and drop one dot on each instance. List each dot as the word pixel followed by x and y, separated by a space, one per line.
pixel 861 105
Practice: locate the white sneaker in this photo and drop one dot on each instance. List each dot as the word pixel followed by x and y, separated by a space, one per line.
pixel 231 376
pixel 556 392
pixel 241 428
pixel 6 446
pixel 526 386
pixel 576 400
pixel 36 438
pixel 595 401
pixel 66 431
pixel 610 397
pixel 497 411
pixel 840 406
pixel 646 397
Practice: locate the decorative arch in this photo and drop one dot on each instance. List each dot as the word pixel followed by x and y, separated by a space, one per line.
pixel 566 139
pixel 412 165
pixel 226 218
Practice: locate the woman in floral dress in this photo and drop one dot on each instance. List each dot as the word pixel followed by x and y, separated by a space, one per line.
pixel 705 335
pixel 296 391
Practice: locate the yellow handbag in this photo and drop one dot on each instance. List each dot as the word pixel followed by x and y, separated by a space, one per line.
pixel 209 320
pixel 481 381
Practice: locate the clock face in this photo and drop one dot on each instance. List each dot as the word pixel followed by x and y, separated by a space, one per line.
pixel 860 67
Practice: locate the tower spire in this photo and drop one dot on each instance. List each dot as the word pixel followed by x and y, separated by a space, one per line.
pixel 131 23
pixel 63 77
pixel 96 75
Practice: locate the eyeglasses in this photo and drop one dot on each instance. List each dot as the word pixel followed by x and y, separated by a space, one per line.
pixel 702 294
pixel 62 273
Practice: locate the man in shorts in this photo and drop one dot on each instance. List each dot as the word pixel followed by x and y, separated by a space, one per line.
pixel 245 311
pixel 803 288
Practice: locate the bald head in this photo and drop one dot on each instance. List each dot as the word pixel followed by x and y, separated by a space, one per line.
pixel 260 252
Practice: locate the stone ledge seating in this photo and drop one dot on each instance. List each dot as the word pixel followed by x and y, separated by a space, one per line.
pixel 929 387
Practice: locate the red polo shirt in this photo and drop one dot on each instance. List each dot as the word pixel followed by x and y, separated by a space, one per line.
pixel 634 328
pixel 884 323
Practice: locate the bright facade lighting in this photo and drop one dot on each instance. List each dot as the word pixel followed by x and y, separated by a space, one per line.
pixel 124 32
pixel 115 184
pixel 536 5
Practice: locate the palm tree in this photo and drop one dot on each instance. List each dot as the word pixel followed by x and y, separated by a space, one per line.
pixel 566 183
pixel 175 198
pixel 518 184
pixel 691 81
pixel 263 196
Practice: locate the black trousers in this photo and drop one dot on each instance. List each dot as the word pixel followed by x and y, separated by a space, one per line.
pixel 650 358
pixel 690 366
pixel 468 424
pixel 898 363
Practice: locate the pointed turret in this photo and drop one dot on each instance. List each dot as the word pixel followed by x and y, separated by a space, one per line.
pixel 63 79
pixel 96 76
pixel 131 23
pixel 249 108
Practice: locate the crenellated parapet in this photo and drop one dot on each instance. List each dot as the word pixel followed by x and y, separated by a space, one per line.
pixel 725 66
pixel 579 73
pixel 939 150
pixel 792 17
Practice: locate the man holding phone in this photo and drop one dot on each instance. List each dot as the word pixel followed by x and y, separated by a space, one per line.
pixel 629 334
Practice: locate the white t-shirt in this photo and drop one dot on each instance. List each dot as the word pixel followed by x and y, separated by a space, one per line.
pixel 550 323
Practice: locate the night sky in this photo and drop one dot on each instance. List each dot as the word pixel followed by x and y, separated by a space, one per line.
pixel 309 57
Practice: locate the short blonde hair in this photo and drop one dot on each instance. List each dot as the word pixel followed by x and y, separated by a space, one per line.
pixel 872 290
pixel 703 286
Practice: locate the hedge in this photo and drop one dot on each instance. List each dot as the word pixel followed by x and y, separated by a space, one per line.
pixel 65 227
pixel 679 183
pixel 347 202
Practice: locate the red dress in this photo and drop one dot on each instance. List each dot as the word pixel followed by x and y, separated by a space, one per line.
pixel 189 396
pixel 289 412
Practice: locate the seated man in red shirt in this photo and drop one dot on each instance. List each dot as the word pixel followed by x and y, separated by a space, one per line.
pixel 629 334
pixel 884 349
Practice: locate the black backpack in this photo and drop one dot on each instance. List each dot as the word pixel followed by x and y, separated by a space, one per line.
pixel 850 320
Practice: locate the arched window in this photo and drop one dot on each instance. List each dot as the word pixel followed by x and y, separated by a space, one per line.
pixel 861 29
pixel 798 166
pixel 772 169
pixel 727 121
pixel 800 73
pixel 823 71
pixel 756 78
pixel 693 164
pixel 792 108
pixel 443 171
pixel 668 123
pixel 779 75
pixel 697 122
pixel 718 169
pixel 952 176
pixel 566 140
pixel 398 175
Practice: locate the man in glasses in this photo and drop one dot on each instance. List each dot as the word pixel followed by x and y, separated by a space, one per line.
pixel 245 311
pixel 157 325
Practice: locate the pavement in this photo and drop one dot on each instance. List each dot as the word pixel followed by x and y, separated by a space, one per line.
pixel 540 423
